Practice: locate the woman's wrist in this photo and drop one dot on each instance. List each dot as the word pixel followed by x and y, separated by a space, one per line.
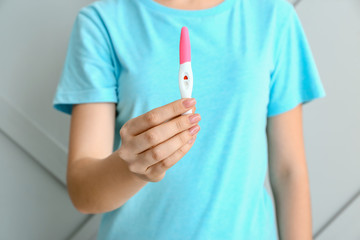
pixel 124 169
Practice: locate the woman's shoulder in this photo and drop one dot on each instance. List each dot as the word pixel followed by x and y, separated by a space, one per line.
pixel 104 8
pixel 272 14
pixel 272 7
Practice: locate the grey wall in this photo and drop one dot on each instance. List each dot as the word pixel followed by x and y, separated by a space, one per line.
pixel 34 137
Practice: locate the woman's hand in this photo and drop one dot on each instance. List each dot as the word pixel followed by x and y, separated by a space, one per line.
pixel 155 141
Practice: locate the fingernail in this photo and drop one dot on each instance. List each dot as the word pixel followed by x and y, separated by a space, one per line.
pixel 189 102
pixel 194 129
pixel 191 140
pixel 194 118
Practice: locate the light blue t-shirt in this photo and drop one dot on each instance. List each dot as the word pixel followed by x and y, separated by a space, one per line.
pixel 250 59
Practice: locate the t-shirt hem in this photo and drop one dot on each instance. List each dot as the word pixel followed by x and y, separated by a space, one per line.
pixel 292 104
pixel 64 101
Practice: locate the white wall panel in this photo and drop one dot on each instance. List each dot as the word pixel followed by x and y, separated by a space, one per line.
pixel 33 44
pixel 346 225
pixel 88 230
pixel 33 204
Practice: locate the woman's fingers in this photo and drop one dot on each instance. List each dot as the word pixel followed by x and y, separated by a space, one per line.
pixel 157 116
pixel 192 110
pixel 160 135
pixel 163 132
pixel 164 149
pixel 159 169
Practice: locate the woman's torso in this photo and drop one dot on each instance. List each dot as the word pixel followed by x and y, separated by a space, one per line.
pixel 216 190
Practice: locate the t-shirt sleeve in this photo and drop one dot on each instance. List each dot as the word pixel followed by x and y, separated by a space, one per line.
pixel 295 78
pixel 89 73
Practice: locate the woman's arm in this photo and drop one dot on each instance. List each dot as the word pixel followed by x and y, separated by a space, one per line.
pixel 97 179
pixel 100 180
pixel 288 175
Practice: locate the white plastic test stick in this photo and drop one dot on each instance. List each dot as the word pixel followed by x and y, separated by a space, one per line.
pixel 185 71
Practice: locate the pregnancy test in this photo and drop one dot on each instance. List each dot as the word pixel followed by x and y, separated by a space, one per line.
pixel 185 71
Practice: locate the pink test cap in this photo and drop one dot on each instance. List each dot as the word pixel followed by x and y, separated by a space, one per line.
pixel 185 50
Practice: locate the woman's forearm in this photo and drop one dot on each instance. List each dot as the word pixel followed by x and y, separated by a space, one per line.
pixel 101 185
pixel 293 206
